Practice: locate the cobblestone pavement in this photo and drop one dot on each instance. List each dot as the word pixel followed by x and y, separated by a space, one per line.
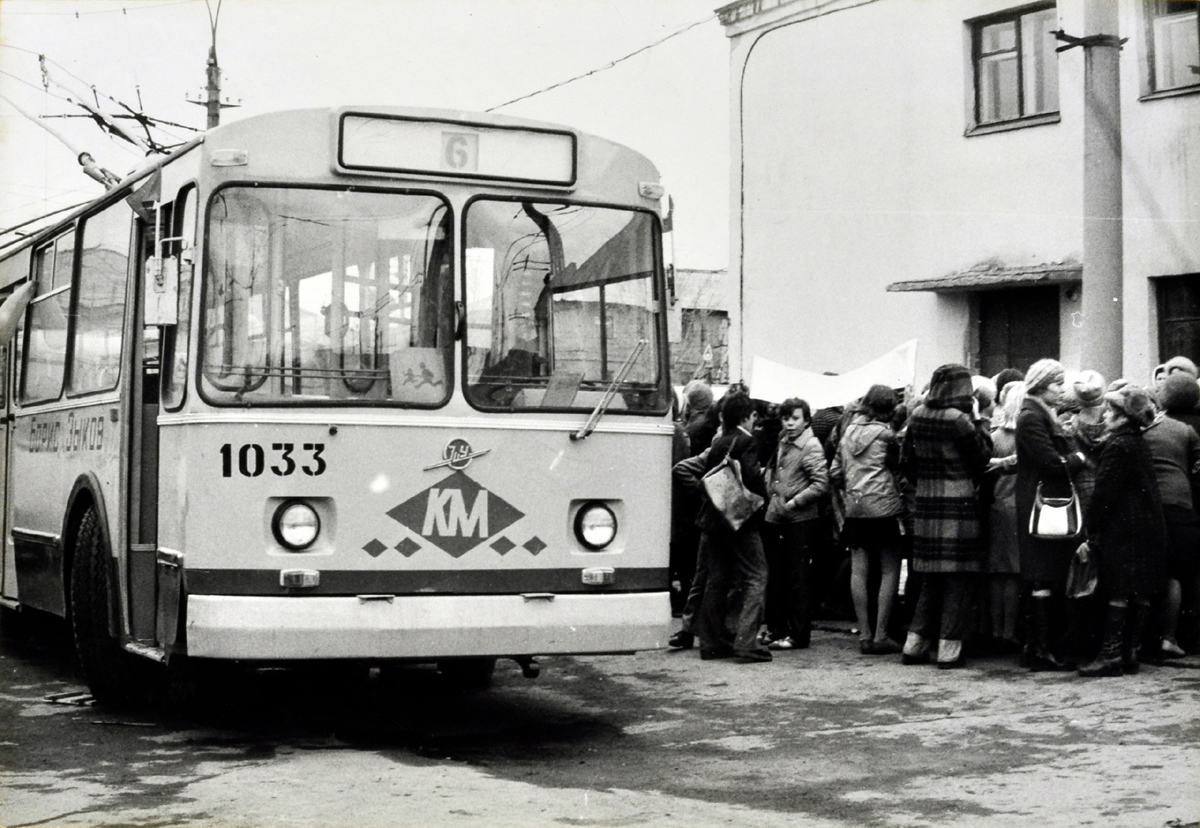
pixel 819 737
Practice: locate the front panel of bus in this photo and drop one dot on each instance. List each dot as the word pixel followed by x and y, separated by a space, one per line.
pixel 381 451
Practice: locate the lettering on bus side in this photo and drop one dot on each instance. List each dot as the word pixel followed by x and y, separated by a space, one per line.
pixel 281 459
pixel 76 435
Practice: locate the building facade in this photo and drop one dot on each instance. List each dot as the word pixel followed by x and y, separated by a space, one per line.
pixel 939 170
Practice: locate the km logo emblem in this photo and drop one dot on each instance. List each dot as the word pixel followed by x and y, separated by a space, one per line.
pixel 456 514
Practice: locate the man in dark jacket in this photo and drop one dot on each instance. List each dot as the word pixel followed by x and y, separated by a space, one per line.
pixel 734 560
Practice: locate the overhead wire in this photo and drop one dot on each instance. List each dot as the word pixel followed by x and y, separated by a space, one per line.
pixel 125 9
pixel 606 66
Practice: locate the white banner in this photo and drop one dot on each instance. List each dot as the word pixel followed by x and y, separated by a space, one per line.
pixel 774 382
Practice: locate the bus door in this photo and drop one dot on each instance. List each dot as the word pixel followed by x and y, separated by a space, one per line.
pixel 159 342
pixel 8 574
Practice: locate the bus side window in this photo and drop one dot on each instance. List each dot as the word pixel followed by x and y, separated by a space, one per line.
pixel 46 331
pixel 100 303
pixel 175 340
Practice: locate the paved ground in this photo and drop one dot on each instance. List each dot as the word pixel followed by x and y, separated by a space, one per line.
pixel 823 737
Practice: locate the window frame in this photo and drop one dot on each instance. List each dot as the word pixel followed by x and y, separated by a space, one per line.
pixel 1151 11
pixel 658 284
pixel 80 238
pixel 51 244
pixel 203 241
pixel 974 42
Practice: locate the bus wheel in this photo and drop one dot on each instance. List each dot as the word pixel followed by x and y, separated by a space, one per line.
pixel 109 671
pixel 468 673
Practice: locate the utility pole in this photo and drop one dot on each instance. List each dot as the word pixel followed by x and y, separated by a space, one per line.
pixel 212 91
pixel 1103 210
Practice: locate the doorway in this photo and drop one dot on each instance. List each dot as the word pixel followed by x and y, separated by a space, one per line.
pixel 1017 327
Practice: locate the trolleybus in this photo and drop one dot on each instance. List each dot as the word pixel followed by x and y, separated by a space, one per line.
pixel 369 384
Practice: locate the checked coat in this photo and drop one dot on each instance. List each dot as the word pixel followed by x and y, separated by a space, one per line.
pixel 944 456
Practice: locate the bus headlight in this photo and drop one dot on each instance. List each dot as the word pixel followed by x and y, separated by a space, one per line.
pixel 595 525
pixel 296 525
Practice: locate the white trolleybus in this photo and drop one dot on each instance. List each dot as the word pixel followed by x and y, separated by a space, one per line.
pixel 368 384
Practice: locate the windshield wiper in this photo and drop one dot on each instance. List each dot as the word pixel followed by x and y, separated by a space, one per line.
pixel 609 393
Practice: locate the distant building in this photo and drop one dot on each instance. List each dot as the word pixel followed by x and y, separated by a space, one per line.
pixel 700 326
pixel 937 170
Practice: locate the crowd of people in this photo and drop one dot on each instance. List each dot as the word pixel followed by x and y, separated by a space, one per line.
pixel 930 498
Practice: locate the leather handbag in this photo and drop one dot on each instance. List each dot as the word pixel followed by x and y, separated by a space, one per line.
pixel 1055 518
pixel 733 501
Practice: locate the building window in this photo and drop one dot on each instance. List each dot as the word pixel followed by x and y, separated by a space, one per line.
pixel 1179 317
pixel 1173 44
pixel 1015 65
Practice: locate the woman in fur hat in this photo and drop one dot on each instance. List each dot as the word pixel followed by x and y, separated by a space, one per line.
pixel 1126 531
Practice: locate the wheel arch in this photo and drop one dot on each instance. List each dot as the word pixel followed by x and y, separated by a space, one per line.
pixel 87 492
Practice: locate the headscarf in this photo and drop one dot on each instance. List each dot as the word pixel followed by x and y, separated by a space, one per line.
pixel 950 387
pixel 1179 393
pixel 1042 374
pixel 1011 398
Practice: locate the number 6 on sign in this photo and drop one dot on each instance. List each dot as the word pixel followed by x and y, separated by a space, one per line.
pixel 460 151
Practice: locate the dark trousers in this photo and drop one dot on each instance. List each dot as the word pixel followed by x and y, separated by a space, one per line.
pixel 944 606
pixel 732 561
pixel 788 548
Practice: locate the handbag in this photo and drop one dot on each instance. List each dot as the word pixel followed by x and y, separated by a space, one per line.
pixel 1083 573
pixel 1055 518
pixel 729 495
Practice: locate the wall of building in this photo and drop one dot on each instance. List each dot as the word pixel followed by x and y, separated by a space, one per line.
pixel 851 171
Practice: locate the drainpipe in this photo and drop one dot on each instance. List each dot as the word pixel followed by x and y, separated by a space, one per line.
pixel 1103 245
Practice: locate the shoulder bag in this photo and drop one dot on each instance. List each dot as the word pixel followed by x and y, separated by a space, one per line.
pixel 1055 518
pixel 729 495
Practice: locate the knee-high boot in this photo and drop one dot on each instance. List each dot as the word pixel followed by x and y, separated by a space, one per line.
pixel 1135 637
pixel 1039 657
pixel 1110 661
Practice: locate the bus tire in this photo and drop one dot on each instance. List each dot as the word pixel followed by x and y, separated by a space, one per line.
pixel 109 671
pixel 468 673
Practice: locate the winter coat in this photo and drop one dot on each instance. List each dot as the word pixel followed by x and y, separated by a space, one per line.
pixel 1124 522
pixel 798 479
pixel 1003 555
pixel 863 469
pixel 944 456
pixel 1044 455
pixel 1175 450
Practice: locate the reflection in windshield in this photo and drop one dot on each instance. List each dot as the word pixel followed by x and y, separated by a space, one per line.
pixel 557 297
pixel 315 295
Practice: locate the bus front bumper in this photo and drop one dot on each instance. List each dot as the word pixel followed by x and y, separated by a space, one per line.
pixel 424 626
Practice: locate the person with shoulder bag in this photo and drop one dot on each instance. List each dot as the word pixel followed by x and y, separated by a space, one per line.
pixel 1045 461
pixel 798 479
pixel 733 558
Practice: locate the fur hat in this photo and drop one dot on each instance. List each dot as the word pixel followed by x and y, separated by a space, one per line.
pixel 698 395
pixel 1179 393
pixel 1181 363
pixel 1042 373
pixel 1006 376
pixel 1089 388
pixel 1134 402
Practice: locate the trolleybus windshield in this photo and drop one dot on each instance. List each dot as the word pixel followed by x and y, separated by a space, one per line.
pixel 558 299
pixel 327 295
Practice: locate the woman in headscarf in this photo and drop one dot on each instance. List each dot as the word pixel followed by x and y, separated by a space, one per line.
pixel 1045 457
pixel 1126 531
pixel 945 454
